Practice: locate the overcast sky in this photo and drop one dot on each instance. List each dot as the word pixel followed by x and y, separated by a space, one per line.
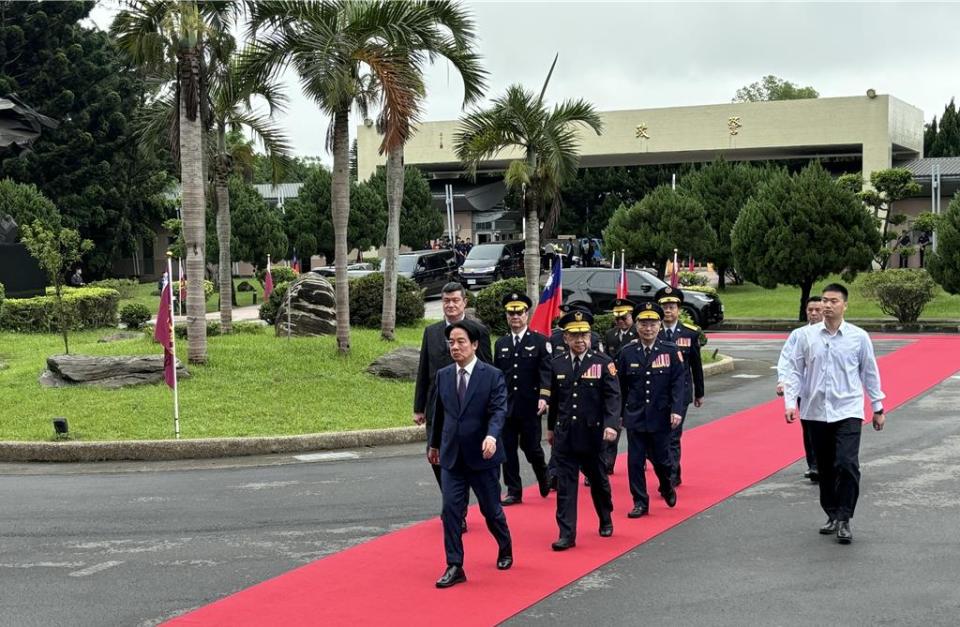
pixel 624 55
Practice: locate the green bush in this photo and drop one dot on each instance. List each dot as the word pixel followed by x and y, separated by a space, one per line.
pixel 126 287
pixel 703 289
pixel 603 323
pixel 134 315
pixel 243 327
pixel 366 301
pixel 280 274
pixel 84 308
pixel 691 279
pixel 488 307
pixel 208 290
pixel 902 293
pixel 270 307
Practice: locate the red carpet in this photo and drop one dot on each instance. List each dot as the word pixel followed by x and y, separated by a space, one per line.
pixel 390 579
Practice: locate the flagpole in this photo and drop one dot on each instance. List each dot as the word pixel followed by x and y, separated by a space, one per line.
pixel 289 289
pixel 173 349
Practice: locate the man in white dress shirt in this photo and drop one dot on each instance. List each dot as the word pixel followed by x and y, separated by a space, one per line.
pixel 830 367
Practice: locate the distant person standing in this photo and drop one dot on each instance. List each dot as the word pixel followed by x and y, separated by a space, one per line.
pixel 465 442
pixel 524 358
pixel 584 412
pixel 435 354
pixel 76 279
pixel 814 315
pixel 687 339
pixel 830 366
pixel 652 386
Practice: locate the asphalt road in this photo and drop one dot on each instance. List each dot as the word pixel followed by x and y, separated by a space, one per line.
pixel 134 544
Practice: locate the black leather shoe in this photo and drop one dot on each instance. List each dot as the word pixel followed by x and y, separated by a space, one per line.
pixel 814 476
pixel 829 528
pixel 586 482
pixel 637 512
pixel 452 576
pixel 670 497
pixel 544 484
pixel 606 530
pixel 563 544
pixel 463 526
pixel 511 500
pixel 844 535
pixel 554 482
pixel 504 561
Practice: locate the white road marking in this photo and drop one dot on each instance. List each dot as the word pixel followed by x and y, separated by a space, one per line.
pixel 265 485
pixel 43 565
pixel 957 377
pixel 746 376
pixel 96 568
pixel 325 457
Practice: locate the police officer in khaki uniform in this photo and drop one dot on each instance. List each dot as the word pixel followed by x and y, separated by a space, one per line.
pixel 584 412
pixel 524 358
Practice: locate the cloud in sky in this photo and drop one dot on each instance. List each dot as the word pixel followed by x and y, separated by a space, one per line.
pixel 641 55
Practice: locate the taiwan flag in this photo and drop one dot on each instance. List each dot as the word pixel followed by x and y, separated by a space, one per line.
pixel 549 307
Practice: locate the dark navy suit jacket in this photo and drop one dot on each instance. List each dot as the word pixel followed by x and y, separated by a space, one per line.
pixel 652 388
pixel 459 431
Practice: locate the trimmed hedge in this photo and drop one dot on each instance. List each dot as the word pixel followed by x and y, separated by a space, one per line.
pixel 488 307
pixel 703 289
pixel 280 274
pixel 84 307
pixel 366 301
pixel 134 315
pixel 902 293
pixel 126 287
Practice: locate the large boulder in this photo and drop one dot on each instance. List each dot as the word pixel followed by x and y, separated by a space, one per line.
pixel 313 307
pixel 105 372
pixel 399 364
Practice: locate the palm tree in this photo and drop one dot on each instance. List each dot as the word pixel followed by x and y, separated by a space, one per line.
pixel 548 139
pixel 453 40
pixel 334 46
pixel 166 39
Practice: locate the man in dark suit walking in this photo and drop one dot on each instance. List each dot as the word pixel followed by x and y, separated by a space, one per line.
pixel 435 354
pixel 523 357
pixel 465 441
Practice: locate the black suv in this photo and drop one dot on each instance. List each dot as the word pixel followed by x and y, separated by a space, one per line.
pixel 487 263
pixel 598 287
pixel 430 269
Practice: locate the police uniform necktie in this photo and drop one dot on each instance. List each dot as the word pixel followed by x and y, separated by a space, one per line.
pixel 669 334
pixel 462 386
pixel 646 352
pixel 516 341
pixel 576 366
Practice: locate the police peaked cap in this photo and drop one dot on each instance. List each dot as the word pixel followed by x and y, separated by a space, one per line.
pixel 623 306
pixel 669 294
pixel 516 302
pixel 648 311
pixel 576 321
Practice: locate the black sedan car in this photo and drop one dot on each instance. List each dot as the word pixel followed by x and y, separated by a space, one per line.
pixel 598 287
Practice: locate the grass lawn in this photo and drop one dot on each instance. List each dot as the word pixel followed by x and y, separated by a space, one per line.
pixel 252 385
pixel 146 295
pixel 752 301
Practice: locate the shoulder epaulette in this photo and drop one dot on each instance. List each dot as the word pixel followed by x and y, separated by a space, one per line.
pixel 692 327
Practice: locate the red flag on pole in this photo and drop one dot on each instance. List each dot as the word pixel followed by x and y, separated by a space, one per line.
pixel 674 274
pixel 549 306
pixel 622 283
pixel 163 333
pixel 268 281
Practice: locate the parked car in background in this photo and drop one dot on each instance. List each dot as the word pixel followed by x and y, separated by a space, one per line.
pixel 598 288
pixel 329 271
pixel 430 269
pixel 487 263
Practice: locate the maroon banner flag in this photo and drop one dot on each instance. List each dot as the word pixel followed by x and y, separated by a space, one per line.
pixel 163 333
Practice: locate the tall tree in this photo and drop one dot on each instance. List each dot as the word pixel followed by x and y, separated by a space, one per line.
pixel 336 47
pixel 91 166
pixel 772 87
pixel 723 188
pixel 420 220
pixel 165 39
pixel 453 38
pixel 520 120
pixel 943 139
pixel 944 263
pixel 887 187
pixel 259 231
pixel 798 229
pixel 664 220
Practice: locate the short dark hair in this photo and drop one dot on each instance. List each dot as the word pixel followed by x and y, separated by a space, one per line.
pixel 469 327
pixel 814 299
pixel 836 287
pixel 454 286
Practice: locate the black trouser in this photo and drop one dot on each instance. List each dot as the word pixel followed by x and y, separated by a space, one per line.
pixel 837 447
pixel 808 444
pixel 569 466
pixel 610 452
pixel 456 488
pixel 675 447
pixel 524 434
pixel 656 446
